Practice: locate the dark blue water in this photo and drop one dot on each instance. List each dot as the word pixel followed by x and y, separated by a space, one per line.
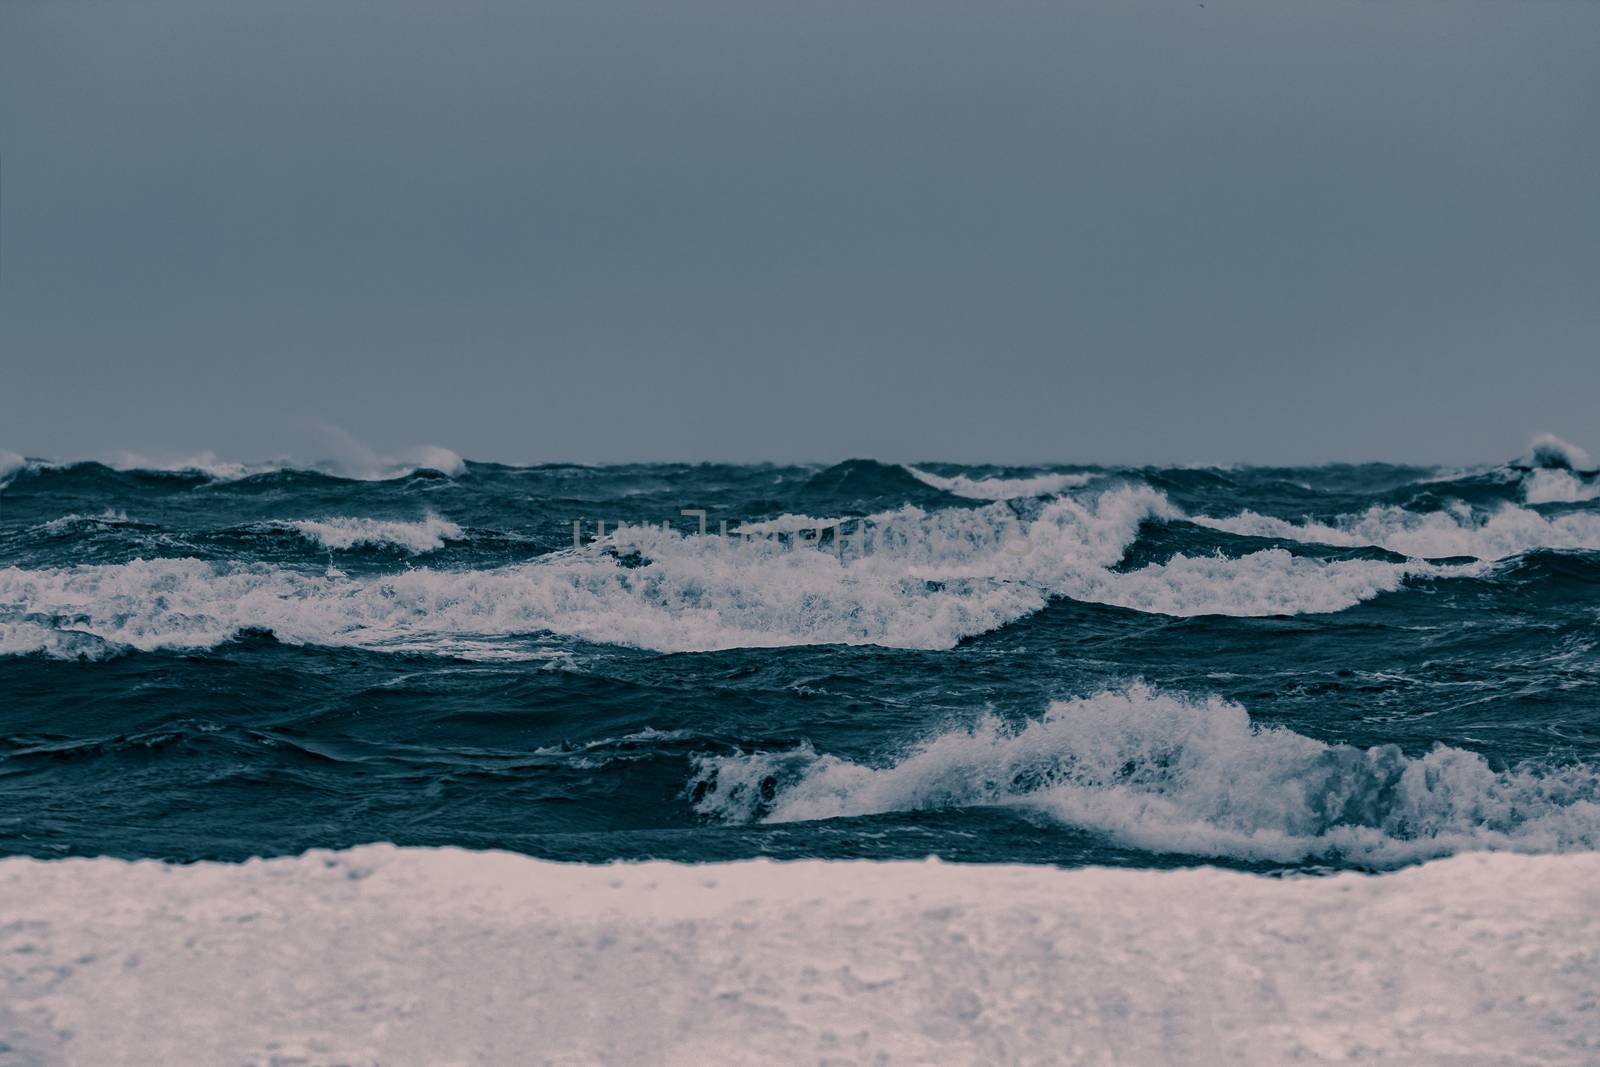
pixel 1270 668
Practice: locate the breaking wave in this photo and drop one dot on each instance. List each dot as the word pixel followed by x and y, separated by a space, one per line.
pixel 10 463
pixel 1557 472
pixel 1549 452
pixel 1457 531
pixel 910 579
pixel 1002 488
pixel 1559 487
pixel 343 533
pixel 1172 773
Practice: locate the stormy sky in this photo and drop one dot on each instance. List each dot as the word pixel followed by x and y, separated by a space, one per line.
pixel 1122 231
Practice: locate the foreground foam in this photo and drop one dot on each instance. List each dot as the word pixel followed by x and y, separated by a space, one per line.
pixel 1459 531
pixel 1171 773
pixel 428 956
pixel 917 580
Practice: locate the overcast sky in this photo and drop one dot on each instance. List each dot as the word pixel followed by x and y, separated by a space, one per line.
pixel 1257 230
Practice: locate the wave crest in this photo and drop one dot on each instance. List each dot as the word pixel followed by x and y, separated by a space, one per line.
pixel 1172 773
pixel 1457 531
pixel 345 533
pixel 1549 452
pixel 1002 488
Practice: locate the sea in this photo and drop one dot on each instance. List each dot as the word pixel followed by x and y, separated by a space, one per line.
pixel 1281 670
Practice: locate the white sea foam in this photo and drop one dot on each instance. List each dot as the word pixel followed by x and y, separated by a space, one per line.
pixel 1559 487
pixel 1171 773
pixel 1002 488
pixel 343 533
pixel 696 602
pixel 1459 531
pixel 433 956
pixel 925 580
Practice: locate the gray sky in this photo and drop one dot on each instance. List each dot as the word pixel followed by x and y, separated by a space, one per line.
pixel 1259 230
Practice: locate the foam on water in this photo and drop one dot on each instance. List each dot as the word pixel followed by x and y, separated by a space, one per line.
pixel 1002 488
pixel 917 580
pixel 1458 531
pixel 1173 773
pixel 1559 487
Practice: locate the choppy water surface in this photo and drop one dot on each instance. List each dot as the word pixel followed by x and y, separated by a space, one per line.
pixel 1272 668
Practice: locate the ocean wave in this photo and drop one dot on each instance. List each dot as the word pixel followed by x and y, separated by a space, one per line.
pixel 206 463
pixel 372 467
pixel 1002 488
pixel 75 523
pixel 354 463
pixel 1172 773
pixel 1557 472
pixel 1549 452
pixel 10 463
pixel 917 580
pixel 1458 531
pixel 344 533
pixel 686 605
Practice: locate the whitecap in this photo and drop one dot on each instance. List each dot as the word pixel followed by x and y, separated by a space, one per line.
pixel 341 533
pixel 1173 773
pixel 1457 531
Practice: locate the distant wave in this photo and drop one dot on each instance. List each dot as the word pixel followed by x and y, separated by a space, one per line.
pixel 1002 488
pixel 343 533
pixel 928 580
pixel 1459 531
pixel 206 463
pixel 208 466
pixel 1173 773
